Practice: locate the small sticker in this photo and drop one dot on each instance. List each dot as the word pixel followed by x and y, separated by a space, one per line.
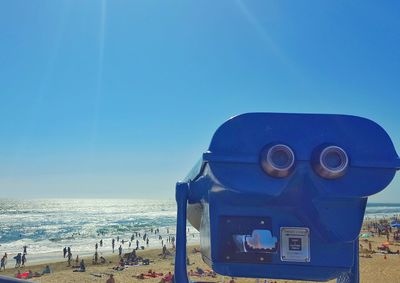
pixel 295 244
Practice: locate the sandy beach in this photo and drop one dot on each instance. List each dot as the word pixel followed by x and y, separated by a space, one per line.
pixel 375 268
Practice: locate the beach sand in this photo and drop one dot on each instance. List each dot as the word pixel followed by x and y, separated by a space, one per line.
pixel 374 269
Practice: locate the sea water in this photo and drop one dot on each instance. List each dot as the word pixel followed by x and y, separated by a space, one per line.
pixel 381 210
pixel 46 226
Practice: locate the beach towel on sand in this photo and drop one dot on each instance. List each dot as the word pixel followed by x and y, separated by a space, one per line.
pixel 24 275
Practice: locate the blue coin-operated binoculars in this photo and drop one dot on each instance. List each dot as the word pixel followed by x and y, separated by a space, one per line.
pixel 283 195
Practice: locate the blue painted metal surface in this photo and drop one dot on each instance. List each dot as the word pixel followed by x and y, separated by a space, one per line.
pixel 10 280
pixel 283 195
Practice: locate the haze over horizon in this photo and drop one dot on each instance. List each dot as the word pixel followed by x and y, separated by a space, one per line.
pixel 120 98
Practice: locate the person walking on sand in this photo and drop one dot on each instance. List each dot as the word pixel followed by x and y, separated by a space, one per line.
pixel 101 243
pixel 25 247
pixel 23 259
pixel 65 251
pixel 3 263
pixel 5 260
pixel 164 250
pixel 69 258
pixel 18 260
pixel 113 244
pixel 173 242
pixel 96 258
pixel 111 279
pixel 137 244
pixel 120 250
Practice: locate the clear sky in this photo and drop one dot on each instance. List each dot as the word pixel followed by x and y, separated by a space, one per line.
pixel 120 98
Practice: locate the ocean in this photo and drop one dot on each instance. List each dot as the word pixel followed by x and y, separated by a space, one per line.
pixel 47 226
pixel 380 210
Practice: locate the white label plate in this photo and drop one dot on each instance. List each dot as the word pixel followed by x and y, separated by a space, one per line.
pixel 295 244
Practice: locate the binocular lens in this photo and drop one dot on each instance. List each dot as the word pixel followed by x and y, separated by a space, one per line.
pixel 277 160
pixel 332 163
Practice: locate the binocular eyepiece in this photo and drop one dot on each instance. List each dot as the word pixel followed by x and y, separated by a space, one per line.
pixel 330 162
pixel 277 160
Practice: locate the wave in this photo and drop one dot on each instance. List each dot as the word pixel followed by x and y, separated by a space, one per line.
pixel 380 209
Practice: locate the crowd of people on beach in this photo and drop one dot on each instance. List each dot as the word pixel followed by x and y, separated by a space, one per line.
pixel 29 274
pixel 382 227
pixel 139 240
pixel 20 259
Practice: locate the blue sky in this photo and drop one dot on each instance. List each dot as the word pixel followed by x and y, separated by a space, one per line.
pixel 120 98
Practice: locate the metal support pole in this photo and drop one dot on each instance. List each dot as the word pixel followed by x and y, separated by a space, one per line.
pixel 181 196
pixel 354 275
